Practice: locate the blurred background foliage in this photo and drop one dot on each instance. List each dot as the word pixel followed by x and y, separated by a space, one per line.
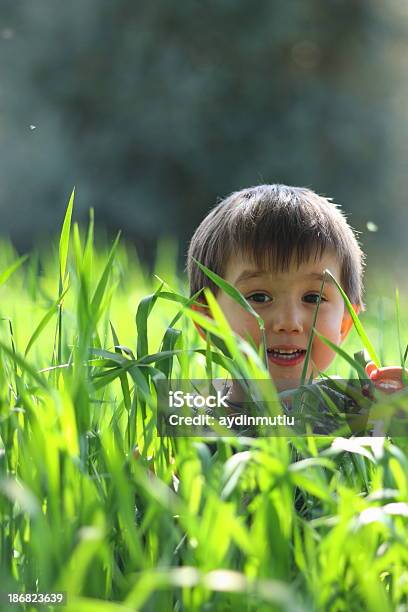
pixel 155 110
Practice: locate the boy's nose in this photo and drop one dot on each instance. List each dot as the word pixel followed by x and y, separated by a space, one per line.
pixel 287 320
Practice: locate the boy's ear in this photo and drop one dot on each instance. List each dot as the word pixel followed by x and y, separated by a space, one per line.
pixel 347 322
pixel 202 310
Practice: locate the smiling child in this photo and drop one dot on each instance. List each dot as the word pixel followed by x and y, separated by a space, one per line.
pixel 273 243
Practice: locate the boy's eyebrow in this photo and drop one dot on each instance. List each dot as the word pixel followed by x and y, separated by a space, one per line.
pixel 320 276
pixel 249 274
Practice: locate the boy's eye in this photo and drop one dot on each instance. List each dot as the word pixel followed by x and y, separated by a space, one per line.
pixel 313 298
pixel 259 298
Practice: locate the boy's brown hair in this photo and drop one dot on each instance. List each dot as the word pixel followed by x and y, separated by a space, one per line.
pixel 272 224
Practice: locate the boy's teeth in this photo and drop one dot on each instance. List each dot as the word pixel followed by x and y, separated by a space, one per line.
pixel 286 353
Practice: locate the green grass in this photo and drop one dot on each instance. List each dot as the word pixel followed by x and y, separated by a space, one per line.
pixel 94 503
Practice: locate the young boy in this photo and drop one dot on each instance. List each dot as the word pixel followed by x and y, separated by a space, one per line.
pixel 273 243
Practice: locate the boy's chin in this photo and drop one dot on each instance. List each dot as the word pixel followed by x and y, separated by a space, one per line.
pixel 291 380
pixel 286 384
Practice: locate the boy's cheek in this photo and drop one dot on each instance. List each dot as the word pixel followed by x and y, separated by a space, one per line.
pixel 243 325
pixel 250 332
pixel 322 355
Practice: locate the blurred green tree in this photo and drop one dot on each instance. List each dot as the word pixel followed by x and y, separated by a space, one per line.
pixel 154 109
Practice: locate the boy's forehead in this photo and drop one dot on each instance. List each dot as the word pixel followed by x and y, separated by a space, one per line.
pixel 242 267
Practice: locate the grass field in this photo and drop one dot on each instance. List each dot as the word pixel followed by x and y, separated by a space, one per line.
pixel 93 503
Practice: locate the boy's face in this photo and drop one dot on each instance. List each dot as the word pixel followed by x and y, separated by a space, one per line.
pixel 286 301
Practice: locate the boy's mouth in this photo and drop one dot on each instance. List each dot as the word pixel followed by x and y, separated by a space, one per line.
pixel 286 356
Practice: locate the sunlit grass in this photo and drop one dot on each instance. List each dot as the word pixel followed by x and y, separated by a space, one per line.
pixel 94 503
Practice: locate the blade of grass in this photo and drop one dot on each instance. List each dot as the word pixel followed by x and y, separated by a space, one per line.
pixel 359 368
pixel 64 241
pixel 123 378
pixel 13 345
pixel 240 299
pixel 24 365
pixel 357 323
pixel 208 360
pixel 76 240
pixel 227 335
pixel 232 292
pixel 88 251
pixel 143 311
pixel 169 341
pixel 103 281
pixel 181 299
pixel 5 275
pixel 43 323
pixel 310 341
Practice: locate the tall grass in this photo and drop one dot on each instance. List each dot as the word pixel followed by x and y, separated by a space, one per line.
pixel 94 503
